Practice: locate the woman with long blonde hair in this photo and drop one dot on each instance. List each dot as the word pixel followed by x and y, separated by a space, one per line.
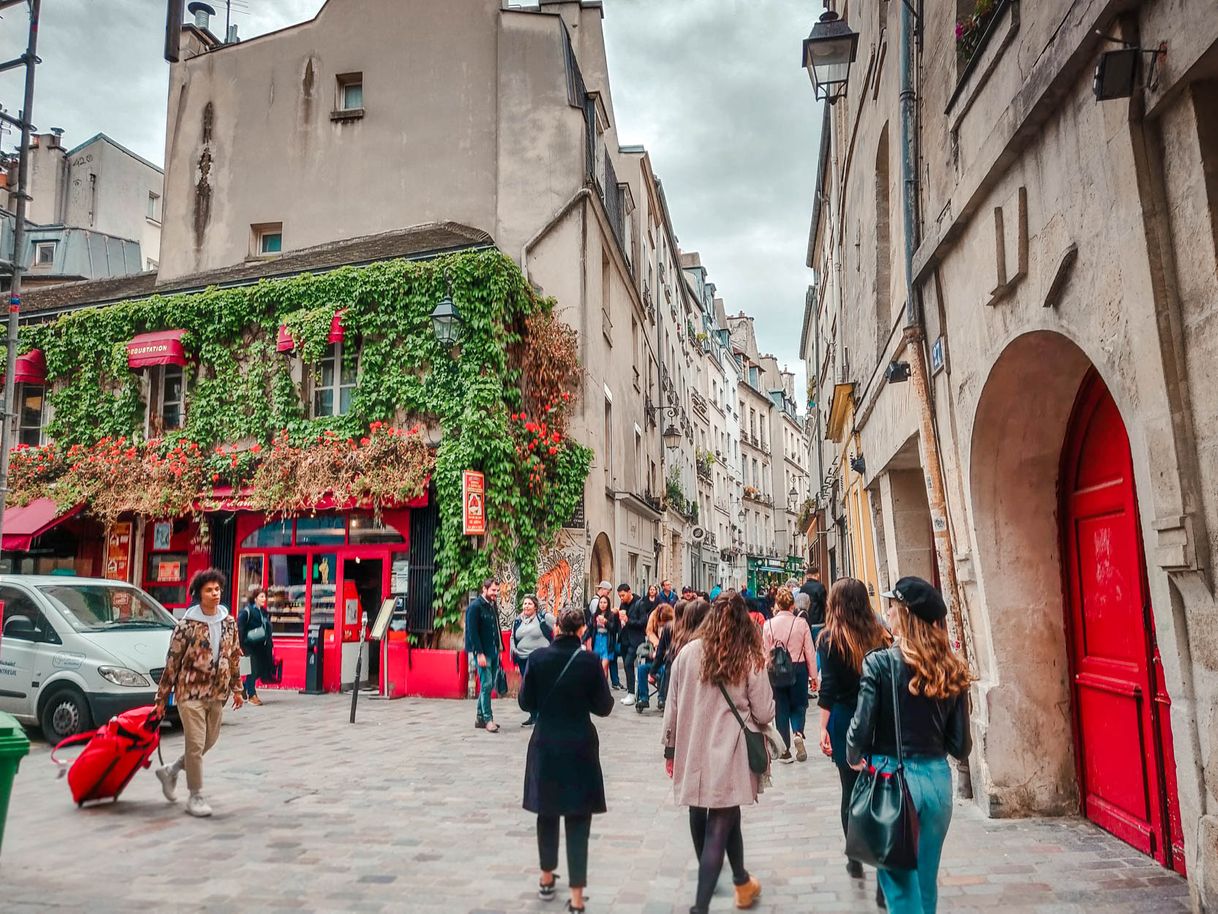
pixel 718 673
pixel 931 688
pixel 852 630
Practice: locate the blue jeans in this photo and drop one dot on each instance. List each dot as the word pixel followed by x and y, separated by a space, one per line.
pixel 930 785
pixel 791 704
pixel 251 686
pixel 640 678
pixel 486 684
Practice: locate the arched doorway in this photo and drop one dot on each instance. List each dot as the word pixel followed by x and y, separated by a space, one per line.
pixel 1126 771
pixel 602 562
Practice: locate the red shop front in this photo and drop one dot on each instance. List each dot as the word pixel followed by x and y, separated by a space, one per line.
pixel 330 569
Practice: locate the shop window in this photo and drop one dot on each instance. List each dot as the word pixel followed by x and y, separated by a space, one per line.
pixel 335 379
pixel 366 530
pixel 326 530
pixel 249 574
pixel 286 589
pixel 276 534
pixel 31 400
pixel 323 589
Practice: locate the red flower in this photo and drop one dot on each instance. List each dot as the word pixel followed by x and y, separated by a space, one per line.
pixel 256 449
pixel 553 451
pixel 215 477
pixel 364 442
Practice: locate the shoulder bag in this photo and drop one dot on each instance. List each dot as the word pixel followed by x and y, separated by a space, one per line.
pixel 754 742
pixel 882 830
pixel 257 634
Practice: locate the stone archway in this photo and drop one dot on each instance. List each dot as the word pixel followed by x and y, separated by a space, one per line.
pixel 602 562
pixel 1025 730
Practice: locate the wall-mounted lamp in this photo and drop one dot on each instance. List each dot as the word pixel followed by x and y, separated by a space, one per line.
pixel 1117 73
pixel 859 465
pixel 896 372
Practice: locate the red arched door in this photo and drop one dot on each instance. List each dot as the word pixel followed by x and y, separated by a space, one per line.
pixel 1122 726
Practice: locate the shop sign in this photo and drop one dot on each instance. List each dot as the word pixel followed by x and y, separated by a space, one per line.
pixel 473 499
pixel 399 579
pixel 118 551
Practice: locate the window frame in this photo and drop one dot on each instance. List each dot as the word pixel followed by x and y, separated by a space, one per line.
pixel 334 354
pixel 163 401
pixel 23 390
pixel 260 232
pixel 153 211
pixel 39 247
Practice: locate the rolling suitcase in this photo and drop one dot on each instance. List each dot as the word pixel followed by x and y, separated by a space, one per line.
pixel 115 752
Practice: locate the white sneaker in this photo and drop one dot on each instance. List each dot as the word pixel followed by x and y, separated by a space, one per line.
pixel 197 806
pixel 628 700
pixel 168 777
pixel 801 751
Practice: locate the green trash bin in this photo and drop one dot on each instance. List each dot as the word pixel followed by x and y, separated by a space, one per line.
pixel 14 746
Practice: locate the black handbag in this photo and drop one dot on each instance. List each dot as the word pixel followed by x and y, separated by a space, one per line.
pixel 754 742
pixel 882 829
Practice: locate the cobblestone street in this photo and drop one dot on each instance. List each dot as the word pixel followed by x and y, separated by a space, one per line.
pixel 413 810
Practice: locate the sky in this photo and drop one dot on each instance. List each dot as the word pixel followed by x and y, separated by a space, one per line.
pixel 712 88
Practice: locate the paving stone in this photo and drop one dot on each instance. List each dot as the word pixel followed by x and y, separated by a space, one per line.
pixel 412 810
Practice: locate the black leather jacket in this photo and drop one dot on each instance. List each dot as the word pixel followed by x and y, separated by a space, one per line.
pixel 929 726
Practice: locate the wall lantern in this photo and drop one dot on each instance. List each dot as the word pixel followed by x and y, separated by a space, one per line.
pixel 1118 74
pixel 828 53
pixel 859 465
pixel 446 322
pixel 671 436
pixel 896 372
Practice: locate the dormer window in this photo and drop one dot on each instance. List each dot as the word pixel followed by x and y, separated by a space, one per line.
pixel 44 253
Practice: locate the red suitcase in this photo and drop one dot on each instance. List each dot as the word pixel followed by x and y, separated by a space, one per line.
pixel 115 752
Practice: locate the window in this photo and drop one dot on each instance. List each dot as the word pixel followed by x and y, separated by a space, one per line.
pixel 150 264
pixel 335 380
pixel 44 253
pixel 266 239
pixel 173 398
pixel 154 207
pixel 31 400
pixel 351 92
pixel 23 620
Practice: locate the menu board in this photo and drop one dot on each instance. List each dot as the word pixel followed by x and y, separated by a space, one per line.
pixel 118 551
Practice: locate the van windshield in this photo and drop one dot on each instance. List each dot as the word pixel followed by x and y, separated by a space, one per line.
pixel 103 607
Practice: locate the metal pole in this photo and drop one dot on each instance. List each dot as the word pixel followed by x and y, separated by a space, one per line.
pixel 14 309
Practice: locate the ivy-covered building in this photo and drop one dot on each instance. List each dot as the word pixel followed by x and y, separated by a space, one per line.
pixel 300 424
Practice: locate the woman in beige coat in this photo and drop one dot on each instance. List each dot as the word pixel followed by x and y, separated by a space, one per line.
pixel 704 746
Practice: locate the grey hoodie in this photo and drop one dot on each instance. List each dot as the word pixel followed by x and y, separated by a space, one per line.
pixel 213 623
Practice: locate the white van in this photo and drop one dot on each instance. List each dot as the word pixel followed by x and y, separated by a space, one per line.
pixel 76 651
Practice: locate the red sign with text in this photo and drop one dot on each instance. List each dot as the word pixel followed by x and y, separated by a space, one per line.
pixel 473 500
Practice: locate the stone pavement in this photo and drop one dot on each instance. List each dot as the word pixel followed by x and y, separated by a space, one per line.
pixel 412 810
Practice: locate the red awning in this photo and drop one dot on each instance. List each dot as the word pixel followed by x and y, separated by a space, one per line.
pixel 336 328
pixel 31 368
pixel 23 525
pixel 284 342
pixel 161 348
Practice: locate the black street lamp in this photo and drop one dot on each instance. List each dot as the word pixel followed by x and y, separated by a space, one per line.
pixel 671 436
pixel 828 53
pixel 446 322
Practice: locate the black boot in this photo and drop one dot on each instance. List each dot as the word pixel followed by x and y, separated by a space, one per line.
pixel 879 898
pixel 854 869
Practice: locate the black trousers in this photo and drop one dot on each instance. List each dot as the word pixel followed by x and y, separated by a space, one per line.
pixel 579 829
pixel 716 832
pixel 848 776
pixel 628 652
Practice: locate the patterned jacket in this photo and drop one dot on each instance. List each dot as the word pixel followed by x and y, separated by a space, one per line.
pixel 190 672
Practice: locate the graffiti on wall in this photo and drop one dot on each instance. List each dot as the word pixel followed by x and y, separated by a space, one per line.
pixel 560 577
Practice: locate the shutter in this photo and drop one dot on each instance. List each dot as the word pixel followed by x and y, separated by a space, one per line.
pixel 424 527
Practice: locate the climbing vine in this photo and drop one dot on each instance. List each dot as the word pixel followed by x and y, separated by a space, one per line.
pixel 247 426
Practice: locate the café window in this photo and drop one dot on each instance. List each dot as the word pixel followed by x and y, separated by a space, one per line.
pixel 166 399
pixel 334 380
pixel 31 412
pixel 166 568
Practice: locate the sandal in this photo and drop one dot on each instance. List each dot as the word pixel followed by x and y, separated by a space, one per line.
pixel 572 909
pixel 545 891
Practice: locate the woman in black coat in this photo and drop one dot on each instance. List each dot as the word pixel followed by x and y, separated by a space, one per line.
pixel 564 686
pixel 252 618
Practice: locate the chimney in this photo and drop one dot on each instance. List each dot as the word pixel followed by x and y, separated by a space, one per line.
pixel 55 140
pixel 202 13
pixel 232 35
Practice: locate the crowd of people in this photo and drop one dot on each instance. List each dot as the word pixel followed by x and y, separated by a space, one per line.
pixel 734 674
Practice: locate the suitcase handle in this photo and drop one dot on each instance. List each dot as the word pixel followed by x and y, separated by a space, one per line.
pixel 70 741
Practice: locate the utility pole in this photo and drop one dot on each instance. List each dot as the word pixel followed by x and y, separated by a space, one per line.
pixel 29 60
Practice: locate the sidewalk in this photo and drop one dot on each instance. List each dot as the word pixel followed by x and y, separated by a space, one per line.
pixel 412 810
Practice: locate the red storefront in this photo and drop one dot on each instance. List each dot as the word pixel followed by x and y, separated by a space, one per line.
pixel 330 568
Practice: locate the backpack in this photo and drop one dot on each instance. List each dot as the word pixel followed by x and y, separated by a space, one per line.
pixel 781 667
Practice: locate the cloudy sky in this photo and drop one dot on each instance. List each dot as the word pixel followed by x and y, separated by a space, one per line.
pixel 712 88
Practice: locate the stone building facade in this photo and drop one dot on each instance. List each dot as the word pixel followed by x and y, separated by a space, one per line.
pixel 1065 260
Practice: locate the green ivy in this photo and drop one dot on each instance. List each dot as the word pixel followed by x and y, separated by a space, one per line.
pixel 241 389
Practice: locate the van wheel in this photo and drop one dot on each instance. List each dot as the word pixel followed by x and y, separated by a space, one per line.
pixel 65 714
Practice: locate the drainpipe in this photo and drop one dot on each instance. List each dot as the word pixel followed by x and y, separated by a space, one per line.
pixel 915 338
